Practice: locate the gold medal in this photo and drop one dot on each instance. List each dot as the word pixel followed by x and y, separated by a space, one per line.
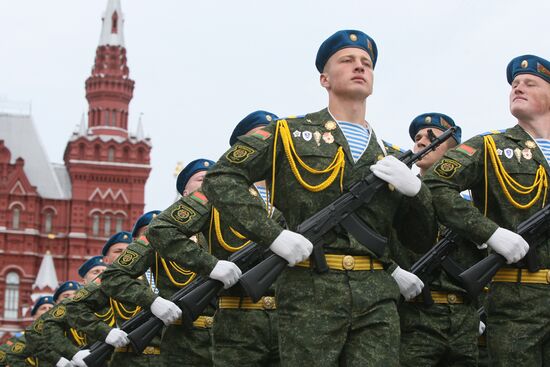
pixel 330 125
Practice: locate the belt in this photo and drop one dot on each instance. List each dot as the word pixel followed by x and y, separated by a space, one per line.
pixel 245 303
pixel 442 298
pixel 512 275
pixel 147 350
pixel 202 322
pixel 348 262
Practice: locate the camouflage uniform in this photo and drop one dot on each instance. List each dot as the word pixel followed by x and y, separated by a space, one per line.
pixel 17 354
pixel 240 336
pixel 342 316
pixel 179 346
pixel 513 337
pixel 95 314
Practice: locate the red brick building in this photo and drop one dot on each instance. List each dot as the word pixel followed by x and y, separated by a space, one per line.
pixel 70 209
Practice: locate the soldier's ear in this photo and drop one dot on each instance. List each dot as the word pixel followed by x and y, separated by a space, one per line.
pixel 324 80
pixel 185 193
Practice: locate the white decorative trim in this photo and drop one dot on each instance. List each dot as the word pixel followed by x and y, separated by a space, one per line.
pixel 32 231
pixel 109 128
pixel 109 192
pixel 19 185
pixel 77 235
pixel 52 208
pixel 13 203
pixel 116 164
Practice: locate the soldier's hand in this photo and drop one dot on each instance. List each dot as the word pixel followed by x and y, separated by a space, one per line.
pixel 409 284
pixel 292 246
pixel 165 310
pixel 117 338
pixel 508 244
pixel 63 362
pixel 226 272
pixel 396 173
pixel 481 328
pixel 78 358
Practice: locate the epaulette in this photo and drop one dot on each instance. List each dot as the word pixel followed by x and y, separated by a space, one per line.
pixel 389 145
pixel 493 132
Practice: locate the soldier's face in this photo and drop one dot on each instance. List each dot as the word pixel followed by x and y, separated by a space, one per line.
pixel 194 183
pixel 348 74
pixel 42 309
pixel 422 140
pixel 91 275
pixel 114 251
pixel 64 295
pixel 529 97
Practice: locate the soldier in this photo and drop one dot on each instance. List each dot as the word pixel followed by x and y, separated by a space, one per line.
pixel 90 270
pixel 244 332
pixel 116 245
pixel 178 346
pixel 507 173
pixel 444 333
pixel 347 315
pixel 65 290
pixel 42 305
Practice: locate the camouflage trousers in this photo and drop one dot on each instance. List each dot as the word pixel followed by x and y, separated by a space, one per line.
pixel 518 330
pixel 438 335
pixel 346 318
pixel 182 347
pixel 245 338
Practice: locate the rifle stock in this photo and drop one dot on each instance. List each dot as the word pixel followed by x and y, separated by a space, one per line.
pixel 341 212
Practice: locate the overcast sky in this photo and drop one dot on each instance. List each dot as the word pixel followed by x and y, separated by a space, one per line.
pixel 201 66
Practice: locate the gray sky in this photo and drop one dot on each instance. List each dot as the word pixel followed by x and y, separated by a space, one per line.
pixel 201 66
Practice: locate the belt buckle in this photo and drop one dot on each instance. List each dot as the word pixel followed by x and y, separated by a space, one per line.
pixel 452 298
pixel 268 303
pixel 348 262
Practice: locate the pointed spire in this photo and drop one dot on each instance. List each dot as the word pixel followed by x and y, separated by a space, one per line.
pixel 82 129
pixel 139 132
pixel 46 280
pixel 112 31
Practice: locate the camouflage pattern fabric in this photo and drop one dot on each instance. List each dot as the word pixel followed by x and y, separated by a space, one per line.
pixel 16 354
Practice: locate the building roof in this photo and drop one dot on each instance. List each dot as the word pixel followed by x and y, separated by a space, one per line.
pixel 110 35
pixel 21 138
pixel 46 277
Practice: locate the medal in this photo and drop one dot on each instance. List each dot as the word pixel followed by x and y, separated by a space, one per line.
pixel 530 144
pixel 330 125
pixel 517 153
pixel 508 153
pixel 296 134
pixel 499 151
pixel 526 153
pixel 328 138
pixel 307 135
pixel 317 137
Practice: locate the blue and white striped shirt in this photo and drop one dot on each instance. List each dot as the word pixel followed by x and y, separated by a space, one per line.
pixel 262 191
pixel 544 145
pixel 358 138
pixel 151 280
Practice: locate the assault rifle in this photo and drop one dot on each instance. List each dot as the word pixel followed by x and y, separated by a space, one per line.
pixel 533 230
pixel 192 299
pixel 341 212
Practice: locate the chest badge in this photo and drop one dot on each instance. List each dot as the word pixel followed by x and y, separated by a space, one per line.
pixel 517 153
pixel 530 144
pixel 330 125
pixel 307 135
pixel 297 134
pixel 508 153
pixel 317 137
pixel 527 154
pixel 328 138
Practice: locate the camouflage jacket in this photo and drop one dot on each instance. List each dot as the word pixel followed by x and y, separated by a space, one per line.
pixel 463 168
pixel 15 353
pixel 316 139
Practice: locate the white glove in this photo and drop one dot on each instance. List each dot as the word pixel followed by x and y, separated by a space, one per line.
pixel 292 246
pixel 396 173
pixel 78 358
pixel 226 272
pixel 117 338
pixel 509 244
pixel 481 328
pixel 409 284
pixel 165 310
pixel 63 362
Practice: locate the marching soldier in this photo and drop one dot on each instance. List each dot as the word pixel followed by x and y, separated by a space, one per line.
pixel 42 305
pixel 348 315
pixel 507 172
pixel 244 332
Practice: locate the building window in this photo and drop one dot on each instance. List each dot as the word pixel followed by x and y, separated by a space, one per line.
pixel 107 228
pixel 95 225
pixel 11 301
pixel 113 118
pixel 114 19
pixel 107 118
pixel 111 154
pixel 16 216
pixel 119 223
pixel 48 217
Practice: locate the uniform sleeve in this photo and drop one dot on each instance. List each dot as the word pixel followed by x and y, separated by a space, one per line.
pixel 171 231
pixel 55 341
pixel 81 314
pixel 458 170
pixel 120 279
pixel 227 183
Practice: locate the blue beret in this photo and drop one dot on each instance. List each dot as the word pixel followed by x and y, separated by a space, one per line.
pixel 69 285
pixel 434 120
pixel 528 64
pixel 42 301
pixel 345 39
pixel 189 170
pixel 89 264
pixel 123 236
pixel 255 119
pixel 143 221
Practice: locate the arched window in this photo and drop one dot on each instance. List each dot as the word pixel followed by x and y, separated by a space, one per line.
pixel 48 219
pixel 113 118
pixel 111 154
pixel 107 229
pixel 97 152
pixel 107 115
pixel 119 223
pixel 11 300
pixel 16 216
pixel 95 225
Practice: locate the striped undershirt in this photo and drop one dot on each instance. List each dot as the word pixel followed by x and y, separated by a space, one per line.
pixel 357 136
pixel 262 191
pixel 544 145
pixel 151 280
